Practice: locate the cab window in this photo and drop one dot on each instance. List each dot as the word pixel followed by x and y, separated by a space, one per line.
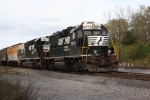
pixel 104 32
pixel 73 36
pixel 87 33
pixel 79 33
pixel 96 32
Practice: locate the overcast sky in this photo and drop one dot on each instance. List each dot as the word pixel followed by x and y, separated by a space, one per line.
pixel 23 20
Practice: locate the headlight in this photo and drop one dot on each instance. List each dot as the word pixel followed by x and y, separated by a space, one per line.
pixel 109 51
pixel 95 51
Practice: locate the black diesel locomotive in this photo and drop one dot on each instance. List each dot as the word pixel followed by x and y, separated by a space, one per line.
pixel 77 48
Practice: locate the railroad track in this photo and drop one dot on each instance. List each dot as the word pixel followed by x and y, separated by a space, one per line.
pixel 125 75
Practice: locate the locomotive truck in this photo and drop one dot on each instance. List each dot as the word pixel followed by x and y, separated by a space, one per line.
pixel 76 48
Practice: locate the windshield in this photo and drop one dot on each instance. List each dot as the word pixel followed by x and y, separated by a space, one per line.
pixel 92 32
pixel 104 32
pixel 96 32
pixel 87 32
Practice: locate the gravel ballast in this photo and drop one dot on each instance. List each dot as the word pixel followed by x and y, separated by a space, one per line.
pixel 135 70
pixel 62 86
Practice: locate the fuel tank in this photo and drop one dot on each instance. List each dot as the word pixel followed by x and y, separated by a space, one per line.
pixel 61 64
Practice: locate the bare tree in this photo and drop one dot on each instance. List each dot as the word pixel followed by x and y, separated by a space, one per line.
pixel 119 22
pixel 108 16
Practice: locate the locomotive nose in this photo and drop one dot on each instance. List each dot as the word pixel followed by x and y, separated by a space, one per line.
pixel 100 61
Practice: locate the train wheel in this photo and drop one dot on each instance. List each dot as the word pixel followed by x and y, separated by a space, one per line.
pixel 38 65
pixel 53 65
pixel 46 66
pixel 23 64
pixel 50 66
pixel 116 67
pixel 68 65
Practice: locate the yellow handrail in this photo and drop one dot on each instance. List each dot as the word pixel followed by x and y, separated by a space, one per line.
pixel 41 55
pixel 115 50
pixel 83 46
pixel 86 52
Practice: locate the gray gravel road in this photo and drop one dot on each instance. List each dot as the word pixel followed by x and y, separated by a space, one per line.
pixel 62 86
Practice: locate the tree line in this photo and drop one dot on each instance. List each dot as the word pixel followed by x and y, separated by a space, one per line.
pixel 131 29
pixel 132 26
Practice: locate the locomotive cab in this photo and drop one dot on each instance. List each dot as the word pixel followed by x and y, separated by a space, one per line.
pixel 35 51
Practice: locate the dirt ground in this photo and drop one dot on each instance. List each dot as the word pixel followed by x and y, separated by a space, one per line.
pixel 62 86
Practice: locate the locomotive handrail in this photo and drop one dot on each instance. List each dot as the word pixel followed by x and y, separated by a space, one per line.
pixel 114 49
pixel 83 46
pixel 86 53
pixel 42 56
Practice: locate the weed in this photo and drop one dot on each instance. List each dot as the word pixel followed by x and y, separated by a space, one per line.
pixel 14 91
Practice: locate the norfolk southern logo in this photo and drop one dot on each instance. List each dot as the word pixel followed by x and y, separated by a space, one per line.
pixel 65 40
pixel 99 40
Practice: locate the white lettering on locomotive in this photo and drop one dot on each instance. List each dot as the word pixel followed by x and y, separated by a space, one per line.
pixel 65 40
pixel 60 41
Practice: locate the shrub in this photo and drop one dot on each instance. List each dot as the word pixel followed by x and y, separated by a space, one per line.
pixel 9 91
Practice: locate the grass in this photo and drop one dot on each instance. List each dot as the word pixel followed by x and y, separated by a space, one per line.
pixel 14 90
pixel 9 91
pixel 142 63
pixel 8 72
pixel 139 54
